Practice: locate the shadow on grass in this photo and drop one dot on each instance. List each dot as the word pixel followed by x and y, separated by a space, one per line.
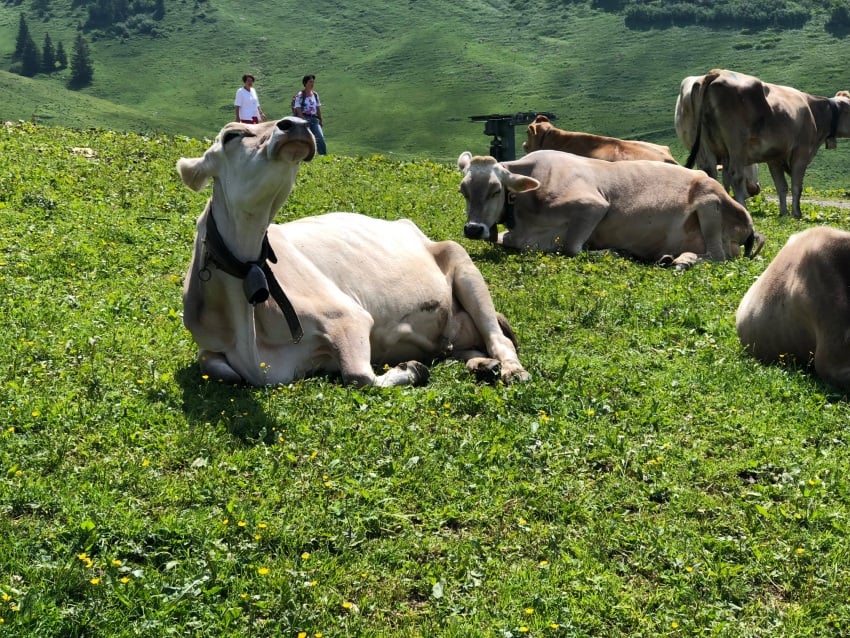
pixel 235 407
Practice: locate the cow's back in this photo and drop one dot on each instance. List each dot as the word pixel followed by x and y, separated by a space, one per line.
pixel 801 300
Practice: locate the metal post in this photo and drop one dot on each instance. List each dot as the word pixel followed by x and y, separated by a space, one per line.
pixel 502 129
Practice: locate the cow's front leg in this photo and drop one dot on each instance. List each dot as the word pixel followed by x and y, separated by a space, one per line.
pixel 348 339
pixel 215 366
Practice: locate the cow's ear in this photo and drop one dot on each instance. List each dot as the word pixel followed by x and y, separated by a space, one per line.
pixel 195 171
pixel 521 183
pixel 463 161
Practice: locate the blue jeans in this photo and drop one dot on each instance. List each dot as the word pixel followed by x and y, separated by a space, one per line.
pixel 316 130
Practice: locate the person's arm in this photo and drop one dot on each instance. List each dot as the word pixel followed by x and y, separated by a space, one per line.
pixel 238 119
pixel 262 115
pixel 319 113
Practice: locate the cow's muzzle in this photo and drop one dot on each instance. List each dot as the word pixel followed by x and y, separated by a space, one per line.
pixel 473 230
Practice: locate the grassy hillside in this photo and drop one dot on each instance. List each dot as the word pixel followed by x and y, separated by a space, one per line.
pixel 401 79
pixel 651 480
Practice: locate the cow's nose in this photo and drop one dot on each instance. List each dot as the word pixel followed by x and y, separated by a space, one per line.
pixel 473 231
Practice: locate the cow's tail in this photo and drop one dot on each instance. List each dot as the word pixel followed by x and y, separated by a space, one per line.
pixel 707 79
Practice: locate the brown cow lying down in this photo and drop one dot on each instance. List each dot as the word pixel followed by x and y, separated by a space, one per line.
pixel 559 202
pixel 269 303
pixel 542 135
pixel 799 307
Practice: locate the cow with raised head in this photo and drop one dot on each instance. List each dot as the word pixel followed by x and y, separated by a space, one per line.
pixel 560 202
pixel 336 293
pixel 686 122
pixel 746 121
pixel 799 308
pixel 543 135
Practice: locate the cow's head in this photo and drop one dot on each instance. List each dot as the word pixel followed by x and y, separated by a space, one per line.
pixel 253 166
pixel 537 132
pixel 485 185
pixel 840 125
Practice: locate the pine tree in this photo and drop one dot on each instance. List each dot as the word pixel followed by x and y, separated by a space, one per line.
pixel 61 56
pixel 30 59
pixel 82 71
pixel 48 55
pixel 21 41
pixel 159 10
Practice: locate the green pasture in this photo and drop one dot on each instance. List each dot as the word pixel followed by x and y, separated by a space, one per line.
pixel 651 480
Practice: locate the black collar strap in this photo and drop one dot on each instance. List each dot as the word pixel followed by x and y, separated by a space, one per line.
pixel 508 218
pixel 257 277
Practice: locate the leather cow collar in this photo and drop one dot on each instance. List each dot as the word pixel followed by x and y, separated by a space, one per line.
pixel 257 277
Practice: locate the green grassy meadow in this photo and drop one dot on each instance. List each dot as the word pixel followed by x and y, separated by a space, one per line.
pixel 402 79
pixel 651 480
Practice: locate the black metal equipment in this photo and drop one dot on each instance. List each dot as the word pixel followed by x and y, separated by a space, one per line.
pixel 501 128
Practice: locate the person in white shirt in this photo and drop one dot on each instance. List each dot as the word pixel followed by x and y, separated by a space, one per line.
pixel 247 103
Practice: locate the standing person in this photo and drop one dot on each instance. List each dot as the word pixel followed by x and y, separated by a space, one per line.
pixel 307 104
pixel 247 103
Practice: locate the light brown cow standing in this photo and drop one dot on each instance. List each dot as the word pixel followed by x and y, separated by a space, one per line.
pixel 269 303
pixel 686 122
pixel 543 135
pixel 559 202
pixel 799 308
pixel 746 121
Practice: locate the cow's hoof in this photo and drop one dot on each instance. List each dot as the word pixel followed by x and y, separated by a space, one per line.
pixel 519 375
pixel 485 370
pixel 417 372
pixel 666 261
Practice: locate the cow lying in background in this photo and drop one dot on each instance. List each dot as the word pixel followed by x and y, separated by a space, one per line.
pixel 799 307
pixel 347 291
pixel 559 202
pixel 542 135
pixel 746 121
pixel 686 122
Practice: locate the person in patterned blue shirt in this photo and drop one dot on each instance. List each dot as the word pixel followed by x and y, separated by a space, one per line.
pixel 306 104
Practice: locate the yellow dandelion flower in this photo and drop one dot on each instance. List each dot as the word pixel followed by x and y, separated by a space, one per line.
pixel 6 598
pixel 145 463
pixel 257 537
pixel 674 625
pixel 305 555
pixel 554 625
pixel 262 526
pixel 95 581
pixel 318 634
pixel 543 563
pixel 225 521
pixel 529 610
pixel 524 629
pixel 347 604
pixel 689 569
pixel 800 551
pixel 241 524
pixel 263 571
pixel 302 634
pixel 124 580
pixel 36 413
pixel 116 562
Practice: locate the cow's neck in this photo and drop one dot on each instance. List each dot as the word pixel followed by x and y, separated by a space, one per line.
pixel 257 276
pixel 835 114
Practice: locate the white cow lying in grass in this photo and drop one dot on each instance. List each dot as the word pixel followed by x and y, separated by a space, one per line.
pixel 559 202
pixel 347 291
pixel 799 308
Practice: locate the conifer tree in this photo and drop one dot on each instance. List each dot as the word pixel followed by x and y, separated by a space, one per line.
pixel 48 55
pixel 21 40
pixel 159 10
pixel 61 56
pixel 82 71
pixel 30 59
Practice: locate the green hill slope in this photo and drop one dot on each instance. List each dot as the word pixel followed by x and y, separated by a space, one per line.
pixel 402 79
